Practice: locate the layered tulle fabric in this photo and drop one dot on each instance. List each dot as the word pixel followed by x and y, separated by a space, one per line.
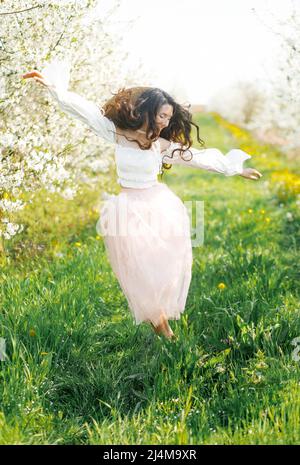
pixel 147 238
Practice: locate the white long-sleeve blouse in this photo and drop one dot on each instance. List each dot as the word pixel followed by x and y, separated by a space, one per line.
pixel 136 168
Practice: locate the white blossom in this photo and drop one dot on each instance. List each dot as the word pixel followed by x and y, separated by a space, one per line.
pixel 69 193
pixel 11 229
pixel 40 146
pixel 11 206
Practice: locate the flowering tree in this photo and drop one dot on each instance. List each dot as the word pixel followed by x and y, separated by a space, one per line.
pixel 240 102
pixel 283 94
pixel 271 105
pixel 40 146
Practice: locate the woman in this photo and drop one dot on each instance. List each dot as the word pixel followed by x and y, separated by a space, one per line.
pixel 150 250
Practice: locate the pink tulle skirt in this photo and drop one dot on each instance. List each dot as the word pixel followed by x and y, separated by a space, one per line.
pixel 146 233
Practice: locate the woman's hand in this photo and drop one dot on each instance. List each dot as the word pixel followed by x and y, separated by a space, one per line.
pixel 251 173
pixel 38 77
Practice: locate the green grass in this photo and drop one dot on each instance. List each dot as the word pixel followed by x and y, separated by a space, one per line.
pixel 80 372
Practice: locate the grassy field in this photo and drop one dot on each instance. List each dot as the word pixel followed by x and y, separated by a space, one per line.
pixel 78 370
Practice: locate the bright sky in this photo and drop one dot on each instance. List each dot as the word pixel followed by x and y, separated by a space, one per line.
pixel 199 46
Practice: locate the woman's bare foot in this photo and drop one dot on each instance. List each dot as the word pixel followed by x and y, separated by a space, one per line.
pixel 157 329
pixel 164 328
pixel 168 330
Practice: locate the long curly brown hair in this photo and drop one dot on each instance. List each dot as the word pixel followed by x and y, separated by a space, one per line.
pixel 131 108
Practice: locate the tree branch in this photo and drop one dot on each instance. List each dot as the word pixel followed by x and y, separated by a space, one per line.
pixel 20 11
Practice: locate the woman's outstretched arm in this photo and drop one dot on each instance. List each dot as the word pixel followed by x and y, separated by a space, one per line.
pixel 77 106
pixel 211 159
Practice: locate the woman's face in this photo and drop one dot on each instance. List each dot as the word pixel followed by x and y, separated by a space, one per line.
pixel 163 116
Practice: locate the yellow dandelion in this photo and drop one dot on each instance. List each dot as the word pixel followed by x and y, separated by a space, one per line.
pixel 98 238
pixel 5 195
pixel 262 211
pixel 221 286
pixel 32 333
pixel 77 244
pixel 268 219
pixel 250 210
